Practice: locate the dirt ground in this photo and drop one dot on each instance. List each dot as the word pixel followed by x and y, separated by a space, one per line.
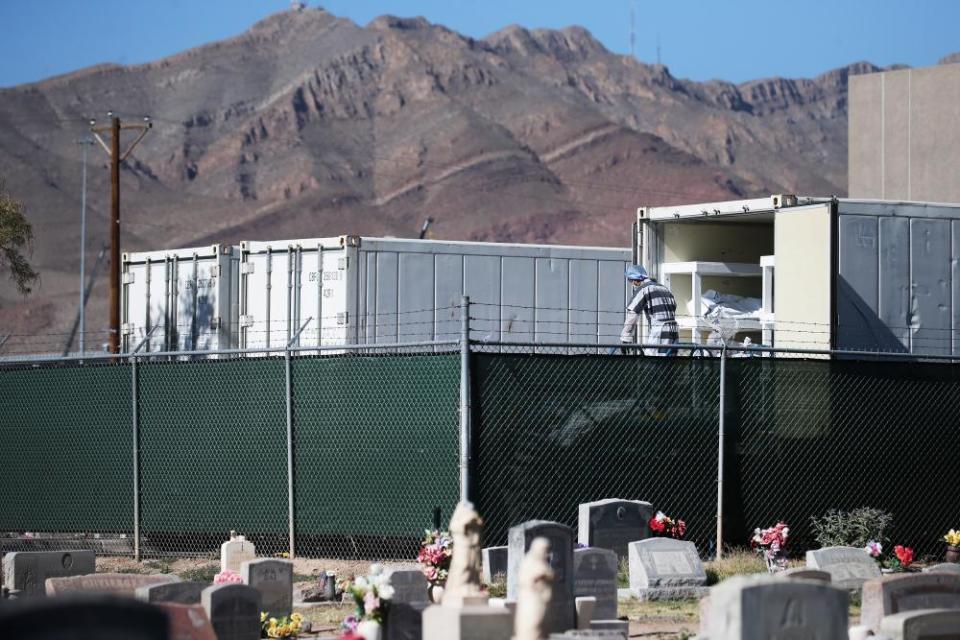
pixel 655 621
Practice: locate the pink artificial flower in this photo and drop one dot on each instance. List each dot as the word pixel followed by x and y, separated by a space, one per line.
pixel 227 577
pixel 370 603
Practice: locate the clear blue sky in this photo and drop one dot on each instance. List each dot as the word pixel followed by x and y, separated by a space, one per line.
pixel 701 39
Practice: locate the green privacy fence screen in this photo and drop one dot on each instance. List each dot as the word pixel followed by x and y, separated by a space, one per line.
pixel 66 449
pixel 552 431
pixel 375 452
pixel 376 446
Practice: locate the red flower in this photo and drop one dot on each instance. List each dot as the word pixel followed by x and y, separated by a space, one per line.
pixel 904 555
pixel 657 526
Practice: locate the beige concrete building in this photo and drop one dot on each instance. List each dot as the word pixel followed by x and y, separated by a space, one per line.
pixel 904 135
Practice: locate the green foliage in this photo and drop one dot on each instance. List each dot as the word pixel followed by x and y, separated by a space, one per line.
pixel 854 528
pixel 735 562
pixel 623 573
pixel 498 586
pixel 204 573
pixel 16 235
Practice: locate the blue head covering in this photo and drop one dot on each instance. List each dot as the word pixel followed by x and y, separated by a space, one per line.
pixel 636 272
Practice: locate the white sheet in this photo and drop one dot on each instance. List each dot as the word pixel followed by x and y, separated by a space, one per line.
pixel 727 305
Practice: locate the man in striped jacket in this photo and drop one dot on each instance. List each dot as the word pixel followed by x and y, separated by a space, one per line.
pixel 657 303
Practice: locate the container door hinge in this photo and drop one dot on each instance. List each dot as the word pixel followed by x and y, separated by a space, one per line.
pixel 246 267
pixel 246 321
pixel 215 323
pixel 343 318
pixel 127 278
pixel 343 263
pixel 127 328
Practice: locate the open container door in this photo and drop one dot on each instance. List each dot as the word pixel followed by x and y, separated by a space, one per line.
pixel 803 284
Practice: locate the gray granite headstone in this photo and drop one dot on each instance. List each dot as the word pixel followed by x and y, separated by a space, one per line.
pixel 754 607
pixel 923 624
pixel 27 571
pixel 233 610
pixel 409 586
pixel 945 567
pixel 614 523
pixel 908 592
pixel 119 583
pixel 561 614
pixel 100 616
pixel 666 569
pixel 410 598
pixel 803 573
pixel 172 592
pixel 622 627
pixel 595 574
pixel 848 567
pixel 274 580
pixel 494 561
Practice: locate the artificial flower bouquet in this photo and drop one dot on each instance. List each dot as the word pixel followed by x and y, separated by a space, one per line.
pixel 285 627
pixel 663 525
pixel 771 543
pixel 436 551
pixel 371 595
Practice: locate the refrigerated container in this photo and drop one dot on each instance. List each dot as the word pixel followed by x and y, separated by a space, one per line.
pixel 180 299
pixel 363 290
pixel 827 272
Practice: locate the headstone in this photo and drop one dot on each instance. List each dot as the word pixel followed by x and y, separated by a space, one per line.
pixel 945 567
pixel 172 592
pixel 467 623
pixel 274 580
pixel 118 583
pixel 323 590
pixel 587 634
pixel 410 598
pixel 848 567
pixel 100 616
pixel 584 607
pixel 621 627
pixel 613 524
pixel 233 610
pixel 908 592
pixel 494 563
pixel 560 614
pixel 924 624
pixel 235 552
pixel 409 586
pixel 747 608
pixel 803 573
pixel 666 569
pixel 595 574
pixel 27 572
pixel 188 621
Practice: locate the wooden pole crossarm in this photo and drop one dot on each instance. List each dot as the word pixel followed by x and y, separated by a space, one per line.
pixel 144 128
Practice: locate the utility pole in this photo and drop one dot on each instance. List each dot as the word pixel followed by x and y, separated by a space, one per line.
pixel 113 150
pixel 84 145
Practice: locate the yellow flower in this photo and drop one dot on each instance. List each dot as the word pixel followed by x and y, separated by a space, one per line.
pixel 263 617
pixel 953 538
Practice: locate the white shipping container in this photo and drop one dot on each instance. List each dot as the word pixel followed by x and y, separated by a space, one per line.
pixel 179 300
pixel 361 290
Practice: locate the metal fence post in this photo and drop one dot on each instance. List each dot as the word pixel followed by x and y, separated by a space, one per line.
pixel 289 397
pixel 464 398
pixel 135 423
pixel 720 448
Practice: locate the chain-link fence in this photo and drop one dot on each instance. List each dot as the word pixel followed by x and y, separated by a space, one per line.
pixel 164 455
pixel 351 452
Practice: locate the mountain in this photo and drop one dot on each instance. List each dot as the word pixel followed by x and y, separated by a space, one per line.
pixel 309 125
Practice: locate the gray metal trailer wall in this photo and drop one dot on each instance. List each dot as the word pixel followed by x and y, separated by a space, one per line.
pixel 904 134
pixel 898 287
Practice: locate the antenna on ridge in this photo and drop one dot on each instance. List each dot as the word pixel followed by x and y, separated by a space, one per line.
pixel 633 33
pixel 297 5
